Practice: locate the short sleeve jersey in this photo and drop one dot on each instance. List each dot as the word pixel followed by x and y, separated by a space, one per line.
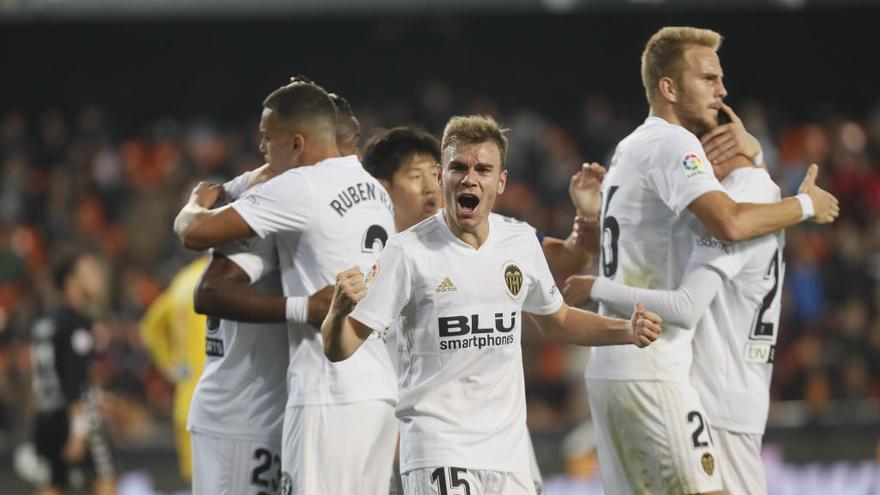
pixel 655 173
pixel 735 342
pixel 325 218
pixel 242 390
pixel 462 397
pixel 62 349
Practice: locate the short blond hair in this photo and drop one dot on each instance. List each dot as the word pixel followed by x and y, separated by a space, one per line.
pixel 474 129
pixel 664 54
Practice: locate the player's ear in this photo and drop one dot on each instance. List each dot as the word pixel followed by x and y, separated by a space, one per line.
pixel 502 181
pixel 298 143
pixel 440 175
pixel 668 89
pixel 385 183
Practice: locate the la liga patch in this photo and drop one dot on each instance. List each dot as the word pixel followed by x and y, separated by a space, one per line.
pixel 371 275
pixel 693 166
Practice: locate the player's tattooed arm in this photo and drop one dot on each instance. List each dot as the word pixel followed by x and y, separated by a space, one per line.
pixel 585 328
pixel 729 221
pixel 224 291
pixel 342 334
pixel 200 228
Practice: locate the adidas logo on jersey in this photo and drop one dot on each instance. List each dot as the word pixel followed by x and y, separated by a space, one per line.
pixel 445 286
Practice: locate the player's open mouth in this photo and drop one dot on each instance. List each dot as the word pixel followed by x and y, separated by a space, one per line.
pixel 431 205
pixel 467 202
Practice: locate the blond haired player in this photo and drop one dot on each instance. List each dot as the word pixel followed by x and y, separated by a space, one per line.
pixel 460 280
pixel 730 295
pixel 650 421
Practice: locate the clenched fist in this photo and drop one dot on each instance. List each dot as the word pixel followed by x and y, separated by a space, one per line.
pixel 350 288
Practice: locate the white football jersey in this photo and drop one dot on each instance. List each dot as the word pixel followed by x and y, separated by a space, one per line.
pixel 656 172
pixel 325 219
pixel 462 394
pixel 735 342
pixel 241 392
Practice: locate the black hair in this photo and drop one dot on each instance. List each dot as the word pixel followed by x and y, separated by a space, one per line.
pixel 302 100
pixel 386 151
pixel 65 264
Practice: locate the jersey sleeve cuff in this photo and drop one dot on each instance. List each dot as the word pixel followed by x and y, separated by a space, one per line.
pixel 245 212
pixel 368 320
pixel 547 309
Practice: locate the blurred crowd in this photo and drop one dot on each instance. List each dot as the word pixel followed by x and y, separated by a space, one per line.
pixel 73 178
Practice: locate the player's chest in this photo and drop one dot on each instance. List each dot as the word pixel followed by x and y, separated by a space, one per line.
pixel 498 282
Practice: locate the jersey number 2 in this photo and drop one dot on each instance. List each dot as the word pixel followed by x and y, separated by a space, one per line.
pixel 266 460
pixel 374 239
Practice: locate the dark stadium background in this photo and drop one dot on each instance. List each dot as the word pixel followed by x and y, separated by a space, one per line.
pixel 108 116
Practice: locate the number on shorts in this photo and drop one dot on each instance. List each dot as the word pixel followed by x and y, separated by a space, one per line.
pixel 610 235
pixel 266 460
pixel 374 234
pixel 701 427
pixel 438 476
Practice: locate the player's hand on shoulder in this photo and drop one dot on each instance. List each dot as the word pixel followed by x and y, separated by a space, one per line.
pixel 350 288
pixel 207 194
pixel 585 190
pixel 646 326
pixel 578 290
pixel 728 140
pixel 825 205
pixel 319 305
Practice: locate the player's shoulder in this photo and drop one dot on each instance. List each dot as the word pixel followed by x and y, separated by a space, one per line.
pixel 510 226
pixel 418 233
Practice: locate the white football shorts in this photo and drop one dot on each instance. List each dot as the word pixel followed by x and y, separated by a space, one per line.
pixel 235 466
pixel 454 480
pixel 338 448
pixel 652 438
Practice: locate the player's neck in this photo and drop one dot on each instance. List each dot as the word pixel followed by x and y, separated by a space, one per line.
pixel 475 237
pixel 319 152
pixel 666 113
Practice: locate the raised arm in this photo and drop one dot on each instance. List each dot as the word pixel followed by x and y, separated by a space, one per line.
pixel 579 327
pixel 576 252
pixel 200 228
pixel 342 334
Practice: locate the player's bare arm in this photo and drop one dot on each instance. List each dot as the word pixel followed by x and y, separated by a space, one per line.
pixel 730 221
pixel 342 334
pixel 75 446
pixel 200 228
pixel 576 252
pixel 579 327
pixel 224 292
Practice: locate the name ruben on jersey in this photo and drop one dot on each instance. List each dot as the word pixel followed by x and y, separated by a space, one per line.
pixel 356 194
pixel 476 331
